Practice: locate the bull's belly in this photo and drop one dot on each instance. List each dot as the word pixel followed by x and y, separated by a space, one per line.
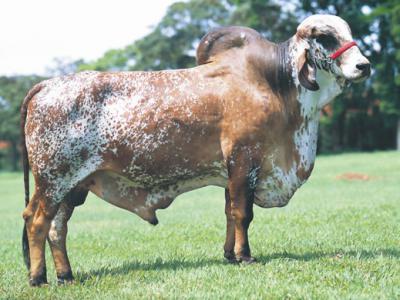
pixel 144 201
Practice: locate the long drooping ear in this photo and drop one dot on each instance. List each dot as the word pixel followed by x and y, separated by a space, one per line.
pixel 307 72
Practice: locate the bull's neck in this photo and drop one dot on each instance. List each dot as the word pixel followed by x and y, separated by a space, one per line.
pixel 279 71
pixel 310 104
pixel 285 68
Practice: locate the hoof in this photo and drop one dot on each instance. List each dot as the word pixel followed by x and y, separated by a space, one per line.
pixel 230 258
pixel 38 280
pixel 246 260
pixel 65 278
pixel 153 221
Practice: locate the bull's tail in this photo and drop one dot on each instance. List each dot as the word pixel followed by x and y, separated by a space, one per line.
pixel 25 248
pixel 25 164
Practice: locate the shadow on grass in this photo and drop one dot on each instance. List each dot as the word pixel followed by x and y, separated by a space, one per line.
pixel 158 264
pixel 178 264
pixel 339 254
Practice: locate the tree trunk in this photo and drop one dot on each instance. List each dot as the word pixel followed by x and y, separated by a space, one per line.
pixel 14 156
pixel 398 134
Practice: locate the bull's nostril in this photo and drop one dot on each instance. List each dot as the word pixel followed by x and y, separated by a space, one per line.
pixel 365 67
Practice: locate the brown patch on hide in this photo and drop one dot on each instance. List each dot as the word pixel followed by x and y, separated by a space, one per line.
pixel 84 154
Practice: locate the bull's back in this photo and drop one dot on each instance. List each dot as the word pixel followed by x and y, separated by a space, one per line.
pixel 143 125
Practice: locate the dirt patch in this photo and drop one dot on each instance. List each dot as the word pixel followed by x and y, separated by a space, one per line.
pixel 354 176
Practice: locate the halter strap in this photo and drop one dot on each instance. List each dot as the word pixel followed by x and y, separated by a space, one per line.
pixel 342 49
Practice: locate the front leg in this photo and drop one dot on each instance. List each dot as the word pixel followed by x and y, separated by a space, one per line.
pixel 242 212
pixel 229 253
pixel 241 198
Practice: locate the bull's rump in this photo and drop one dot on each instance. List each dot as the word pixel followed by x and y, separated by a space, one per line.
pixel 149 127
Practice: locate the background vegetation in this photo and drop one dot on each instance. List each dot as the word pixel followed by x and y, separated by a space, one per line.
pixel 365 117
pixel 337 239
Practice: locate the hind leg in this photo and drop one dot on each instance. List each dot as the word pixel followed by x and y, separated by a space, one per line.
pixel 38 215
pixel 57 241
pixel 58 234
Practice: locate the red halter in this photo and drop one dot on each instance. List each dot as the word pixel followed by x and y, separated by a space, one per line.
pixel 342 49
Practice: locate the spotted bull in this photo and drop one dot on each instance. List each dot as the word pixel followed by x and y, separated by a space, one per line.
pixel 244 119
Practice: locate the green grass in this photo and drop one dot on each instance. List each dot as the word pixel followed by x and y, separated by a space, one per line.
pixel 336 239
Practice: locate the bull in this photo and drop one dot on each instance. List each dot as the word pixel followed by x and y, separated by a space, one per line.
pixel 245 119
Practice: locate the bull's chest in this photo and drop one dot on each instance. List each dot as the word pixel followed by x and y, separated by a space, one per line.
pixel 276 186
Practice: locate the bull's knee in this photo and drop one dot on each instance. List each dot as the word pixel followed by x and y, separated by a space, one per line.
pixel 27 214
pixel 242 216
pixel 54 236
pixel 30 210
pixel 57 230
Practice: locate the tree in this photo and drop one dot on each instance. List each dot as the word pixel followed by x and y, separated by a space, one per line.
pixel 387 16
pixel 172 43
pixel 63 66
pixel 12 92
pixel 275 21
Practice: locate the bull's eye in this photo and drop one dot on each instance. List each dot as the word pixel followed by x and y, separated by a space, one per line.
pixel 329 42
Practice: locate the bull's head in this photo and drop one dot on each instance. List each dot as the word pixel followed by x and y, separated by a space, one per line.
pixel 325 42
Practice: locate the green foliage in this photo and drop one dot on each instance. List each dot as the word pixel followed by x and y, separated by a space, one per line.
pixel 274 21
pixel 336 239
pixel 12 92
pixel 387 14
pixel 171 44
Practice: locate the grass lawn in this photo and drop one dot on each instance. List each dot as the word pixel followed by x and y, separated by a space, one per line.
pixel 337 239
